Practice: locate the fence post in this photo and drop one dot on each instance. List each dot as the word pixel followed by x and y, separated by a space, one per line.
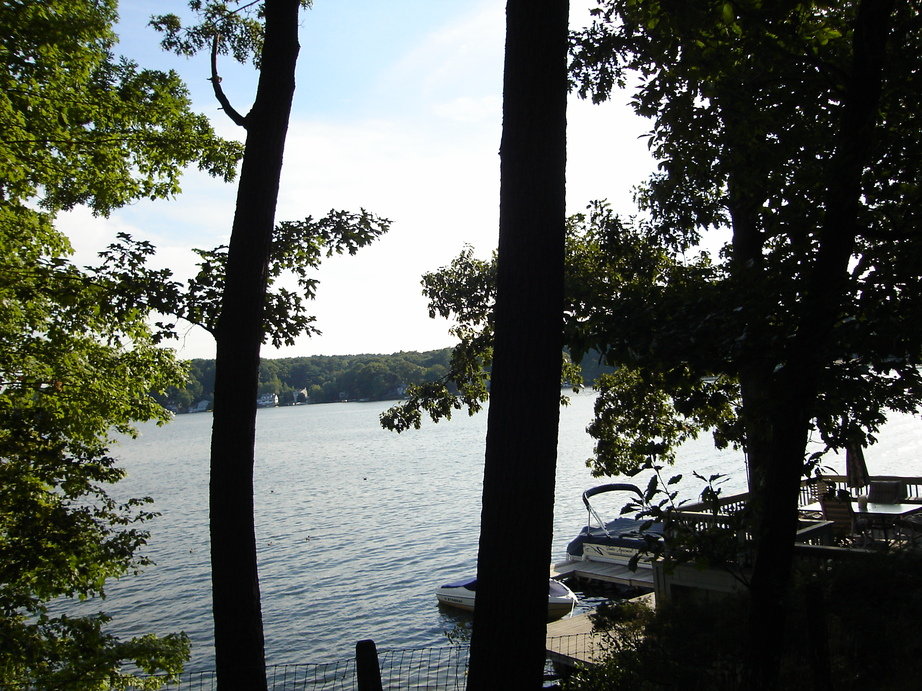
pixel 366 666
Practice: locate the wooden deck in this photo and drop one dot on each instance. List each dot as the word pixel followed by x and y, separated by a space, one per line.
pixel 606 572
pixel 571 642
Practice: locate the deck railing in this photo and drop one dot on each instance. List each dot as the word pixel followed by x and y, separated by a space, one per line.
pixel 728 505
pixel 911 484
pixel 809 489
pixel 700 516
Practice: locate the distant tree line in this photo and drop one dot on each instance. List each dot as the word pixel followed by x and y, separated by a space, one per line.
pixel 332 378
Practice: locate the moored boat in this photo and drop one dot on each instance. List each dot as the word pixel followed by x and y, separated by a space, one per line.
pixel 618 540
pixel 462 594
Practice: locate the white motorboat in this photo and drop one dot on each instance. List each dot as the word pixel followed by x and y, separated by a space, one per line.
pixel 560 599
pixel 616 540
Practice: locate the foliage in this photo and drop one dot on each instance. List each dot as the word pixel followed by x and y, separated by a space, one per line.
pixel 786 123
pixel 91 129
pixel 744 101
pixel 707 538
pixel 298 247
pixel 238 26
pixel 629 301
pixel 689 645
pixel 74 367
pixel 79 127
pixel 464 291
pixel 862 612
pixel 331 378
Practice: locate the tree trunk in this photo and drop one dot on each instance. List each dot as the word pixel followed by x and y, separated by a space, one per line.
pixel 508 640
pixel 239 646
pixel 798 381
pixel 746 196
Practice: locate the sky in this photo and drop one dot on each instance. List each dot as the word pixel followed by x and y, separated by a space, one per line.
pixel 397 110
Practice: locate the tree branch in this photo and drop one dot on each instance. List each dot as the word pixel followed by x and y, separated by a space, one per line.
pixel 244 7
pixel 218 91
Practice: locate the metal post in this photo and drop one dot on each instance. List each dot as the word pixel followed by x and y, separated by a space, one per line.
pixel 366 666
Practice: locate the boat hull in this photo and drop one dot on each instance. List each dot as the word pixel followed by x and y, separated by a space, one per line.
pixel 560 602
pixel 620 541
pixel 455 600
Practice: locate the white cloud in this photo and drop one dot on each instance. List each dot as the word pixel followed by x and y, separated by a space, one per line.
pixel 427 158
pixel 464 57
pixel 469 110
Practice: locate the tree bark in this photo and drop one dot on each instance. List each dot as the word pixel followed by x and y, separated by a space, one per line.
pixel 239 645
pixel 508 639
pixel 798 381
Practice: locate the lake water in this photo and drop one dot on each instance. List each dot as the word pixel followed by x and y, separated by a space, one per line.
pixel 357 526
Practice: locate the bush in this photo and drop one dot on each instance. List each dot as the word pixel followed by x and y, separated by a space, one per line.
pixel 852 624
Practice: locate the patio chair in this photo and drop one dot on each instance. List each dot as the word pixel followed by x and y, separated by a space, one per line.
pixel 910 530
pixel 820 488
pixel 811 493
pixel 846 526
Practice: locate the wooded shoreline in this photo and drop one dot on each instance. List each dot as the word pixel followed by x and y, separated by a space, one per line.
pixel 333 378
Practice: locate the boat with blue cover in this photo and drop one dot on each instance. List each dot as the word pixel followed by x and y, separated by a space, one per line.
pixel 618 540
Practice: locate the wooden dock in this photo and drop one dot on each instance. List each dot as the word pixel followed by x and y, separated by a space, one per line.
pixel 606 572
pixel 571 642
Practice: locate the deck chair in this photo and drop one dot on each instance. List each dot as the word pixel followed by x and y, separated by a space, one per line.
pixel 910 530
pixel 846 526
pixel 821 488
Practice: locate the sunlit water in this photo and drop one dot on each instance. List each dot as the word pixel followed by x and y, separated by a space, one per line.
pixel 357 526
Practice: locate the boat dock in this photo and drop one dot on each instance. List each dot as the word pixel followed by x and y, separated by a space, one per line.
pixel 606 572
pixel 571 642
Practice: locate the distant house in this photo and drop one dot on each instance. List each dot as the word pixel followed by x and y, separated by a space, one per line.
pixel 267 400
pixel 200 407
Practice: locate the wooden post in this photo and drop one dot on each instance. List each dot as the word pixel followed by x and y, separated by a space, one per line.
pixel 366 666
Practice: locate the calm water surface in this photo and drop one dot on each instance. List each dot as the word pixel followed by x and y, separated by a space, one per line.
pixel 356 526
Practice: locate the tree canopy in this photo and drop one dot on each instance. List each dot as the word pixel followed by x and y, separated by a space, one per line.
pixel 626 296
pixel 745 103
pixel 790 128
pixel 80 127
pixel 267 33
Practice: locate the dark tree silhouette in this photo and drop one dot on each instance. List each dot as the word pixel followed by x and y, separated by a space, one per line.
pixel 507 645
pixel 797 384
pixel 239 646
